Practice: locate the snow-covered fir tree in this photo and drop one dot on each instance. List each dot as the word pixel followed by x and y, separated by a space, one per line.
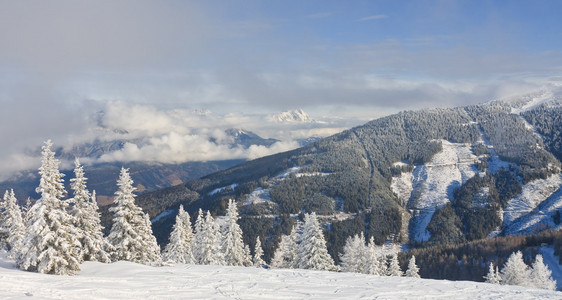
pixel 258 254
pixel 3 230
pixel 206 247
pixel 393 265
pixel 152 253
pixel 25 210
pixel 375 260
pixel 312 252
pixel 541 275
pixel 178 249
pixel 285 256
pixel 354 256
pixel 130 231
pixel 515 271
pixel 87 219
pixel 12 223
pixel 50 244
pixel 232 243
pixel 493 275
pixel 413 270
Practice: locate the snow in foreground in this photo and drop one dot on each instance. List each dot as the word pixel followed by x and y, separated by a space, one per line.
pixel 125 280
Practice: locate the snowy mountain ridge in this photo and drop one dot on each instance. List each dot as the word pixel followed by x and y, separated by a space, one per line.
pixel 296 115
pixel 550 95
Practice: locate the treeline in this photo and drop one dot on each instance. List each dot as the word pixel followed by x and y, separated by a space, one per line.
pixel 470 260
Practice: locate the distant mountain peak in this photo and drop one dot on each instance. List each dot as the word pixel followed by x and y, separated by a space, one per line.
pixel 296 115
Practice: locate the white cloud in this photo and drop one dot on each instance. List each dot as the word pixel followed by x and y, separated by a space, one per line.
pixel 374 17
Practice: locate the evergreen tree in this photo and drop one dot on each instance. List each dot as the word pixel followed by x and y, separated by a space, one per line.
pixel 541 276
pixel 130 234
pixel 178 249
pixel 285 255
pixel 232 243
pixel 248 254
pixel 258 254
pixel 312 252
pixel 493 276
pixel 393 265
pixel 50 243
pixel 13 223
pixel 413 270
pixel 515 271
pixel 3 228
pixel 354 256
pixel 87 220
pixel 206 242
pixel 375 263
pixel 152 253
pixel 26 209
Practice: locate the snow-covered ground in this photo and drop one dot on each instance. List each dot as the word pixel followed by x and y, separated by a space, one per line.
pixel 521 212
pixel 125 280
pixel 431 185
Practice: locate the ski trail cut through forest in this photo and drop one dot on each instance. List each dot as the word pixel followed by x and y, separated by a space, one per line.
pixel 368 156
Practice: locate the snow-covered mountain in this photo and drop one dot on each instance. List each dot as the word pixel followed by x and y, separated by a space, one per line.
pixel 297 115
pixel 126 280
pixel 550 95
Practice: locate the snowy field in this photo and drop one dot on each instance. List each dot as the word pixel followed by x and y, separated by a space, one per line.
pixel 125 280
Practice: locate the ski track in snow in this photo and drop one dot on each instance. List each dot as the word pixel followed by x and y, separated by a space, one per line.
pixel 432 184
pixel 534 207
pixel 125 280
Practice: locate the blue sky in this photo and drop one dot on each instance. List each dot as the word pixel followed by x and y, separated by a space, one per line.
pixel 62 60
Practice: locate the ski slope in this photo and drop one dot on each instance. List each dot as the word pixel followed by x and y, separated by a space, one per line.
pixel 533 208
pixel 125 280
pixel 430 186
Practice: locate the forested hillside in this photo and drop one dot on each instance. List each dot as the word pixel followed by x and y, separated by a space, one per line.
pixel 347 179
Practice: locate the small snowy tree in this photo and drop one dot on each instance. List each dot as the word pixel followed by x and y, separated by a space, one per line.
pixel 312 252
pixel 374 263
pixel 87 220
pixel 178 249
pixel 26 209
pixel 515 271
pixel 285 256
pixel 541 276
pixel 393 265
pixel 50 243
pixel 354 256
pixel 3 229
pixel 152 253
pixel 130 234
pixel 206 247
pixel 232 244
pixel 413 270
pixel 258 254
pixel 12 223
pixel 493 276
